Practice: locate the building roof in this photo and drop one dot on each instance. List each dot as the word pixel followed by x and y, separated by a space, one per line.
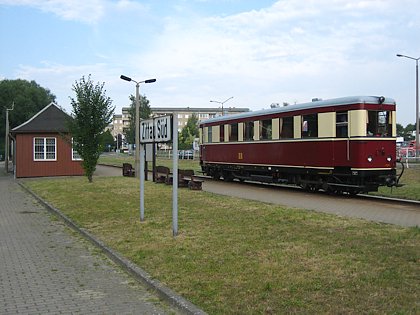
pixel 50 119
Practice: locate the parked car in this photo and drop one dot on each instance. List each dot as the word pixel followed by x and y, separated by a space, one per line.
pixel 186 154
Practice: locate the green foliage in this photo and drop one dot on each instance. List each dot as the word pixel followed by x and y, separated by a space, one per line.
pixel 145 113
pixel 28 97
pixel 400 130
pixel 92 112
pixel 189 133
pixel 107 140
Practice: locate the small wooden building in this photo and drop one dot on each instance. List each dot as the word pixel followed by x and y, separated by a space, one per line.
pixel 43 146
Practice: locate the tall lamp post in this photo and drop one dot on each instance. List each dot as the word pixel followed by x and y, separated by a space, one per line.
pixel 7 146
pixel 417 101
pixel 222 103
pixel 137 131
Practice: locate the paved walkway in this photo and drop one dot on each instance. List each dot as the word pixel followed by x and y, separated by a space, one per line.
pixel 47 269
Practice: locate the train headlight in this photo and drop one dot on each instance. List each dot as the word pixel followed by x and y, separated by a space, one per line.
pixel 370 158
pixel 389 158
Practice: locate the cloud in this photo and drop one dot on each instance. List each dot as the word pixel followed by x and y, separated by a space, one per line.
pixel 83 11
pixel 290 51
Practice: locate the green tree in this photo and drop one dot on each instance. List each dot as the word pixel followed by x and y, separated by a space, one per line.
pixel 189 133
pixel 400 130
pixel 409 129
pixel 92 112
pixel 107 140
pixel 145 113
pixel 28 98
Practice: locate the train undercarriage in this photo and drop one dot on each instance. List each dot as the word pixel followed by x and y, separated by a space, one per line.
pixel 336 181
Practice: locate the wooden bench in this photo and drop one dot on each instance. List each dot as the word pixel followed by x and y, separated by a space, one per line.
pixel 186 178
pixel 128 170
pixel 162 174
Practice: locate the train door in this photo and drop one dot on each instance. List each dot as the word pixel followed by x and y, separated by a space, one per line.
pixel 342 132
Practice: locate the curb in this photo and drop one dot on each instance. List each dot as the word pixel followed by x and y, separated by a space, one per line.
pixel 183 305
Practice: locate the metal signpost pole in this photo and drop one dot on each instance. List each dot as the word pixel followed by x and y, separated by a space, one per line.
pixel 175 175
pixel 141 168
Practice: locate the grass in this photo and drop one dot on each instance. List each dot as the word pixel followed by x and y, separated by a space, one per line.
pixel 411 188
pixel 235 256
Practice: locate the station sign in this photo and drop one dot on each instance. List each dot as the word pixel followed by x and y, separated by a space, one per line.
pixel 158 129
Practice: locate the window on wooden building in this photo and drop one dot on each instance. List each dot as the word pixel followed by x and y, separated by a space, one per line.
pixel 45 149
pixel 74 154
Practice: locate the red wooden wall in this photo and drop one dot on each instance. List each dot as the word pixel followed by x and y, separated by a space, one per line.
pixel 27 167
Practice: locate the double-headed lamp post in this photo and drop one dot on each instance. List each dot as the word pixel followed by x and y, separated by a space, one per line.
pixel 417 101
pixel 137 131
pixel 222 103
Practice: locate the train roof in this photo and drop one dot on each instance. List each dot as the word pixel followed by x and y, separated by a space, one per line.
pixel 314 104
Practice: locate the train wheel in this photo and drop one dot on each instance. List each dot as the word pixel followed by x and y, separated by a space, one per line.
pixel 354 192
pixel 227 176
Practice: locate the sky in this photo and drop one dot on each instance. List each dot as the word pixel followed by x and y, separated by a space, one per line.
pixel 257 51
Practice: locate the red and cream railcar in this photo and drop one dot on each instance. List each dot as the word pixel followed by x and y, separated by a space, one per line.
pixel 340 145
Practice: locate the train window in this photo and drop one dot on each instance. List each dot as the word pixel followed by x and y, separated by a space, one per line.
pixel 249 131
pixel 286 127
pixel 379 124
pixel 222 133
pixel 310 126
pixel 210 134
pixel 266 127
pixel 341 129
pixel 233 132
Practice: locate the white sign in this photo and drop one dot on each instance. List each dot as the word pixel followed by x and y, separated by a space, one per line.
pixel 156 130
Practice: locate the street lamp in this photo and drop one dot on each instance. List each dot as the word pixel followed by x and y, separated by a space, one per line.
pixel 417 101
pixel 140 169
pixel 222 102
pixel 137 131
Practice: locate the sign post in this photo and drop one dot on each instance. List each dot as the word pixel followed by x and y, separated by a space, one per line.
pixel 175 176
pixel 160 129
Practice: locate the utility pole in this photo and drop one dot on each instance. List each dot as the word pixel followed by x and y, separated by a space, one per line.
pixel 6 142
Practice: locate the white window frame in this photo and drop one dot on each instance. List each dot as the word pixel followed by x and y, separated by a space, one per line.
pixel 44 151
pixel 74 154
